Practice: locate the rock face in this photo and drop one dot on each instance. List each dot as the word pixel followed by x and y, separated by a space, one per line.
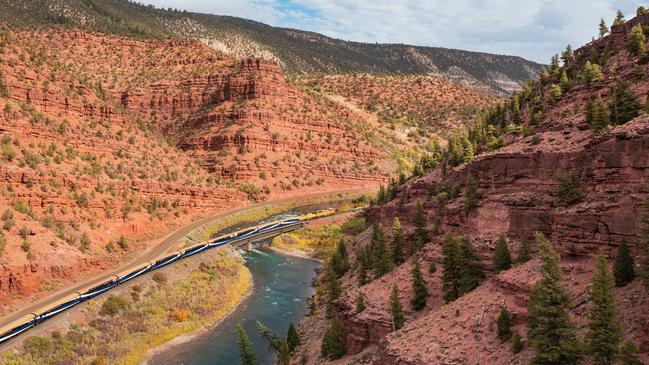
pixel 517 194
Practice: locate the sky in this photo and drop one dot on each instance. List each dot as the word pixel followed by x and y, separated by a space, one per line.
pixel 533 29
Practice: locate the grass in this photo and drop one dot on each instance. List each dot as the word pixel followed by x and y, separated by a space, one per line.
pixel 147 317
pixel 318 241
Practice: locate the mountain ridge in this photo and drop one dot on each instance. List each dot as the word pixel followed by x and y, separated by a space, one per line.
pixel 297 51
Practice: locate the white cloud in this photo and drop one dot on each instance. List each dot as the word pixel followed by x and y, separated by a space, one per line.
pixel 534 29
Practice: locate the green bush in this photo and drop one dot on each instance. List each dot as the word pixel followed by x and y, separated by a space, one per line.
pixel 113 305
pixel 37 345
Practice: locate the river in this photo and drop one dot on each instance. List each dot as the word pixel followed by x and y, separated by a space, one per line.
pixel 282 286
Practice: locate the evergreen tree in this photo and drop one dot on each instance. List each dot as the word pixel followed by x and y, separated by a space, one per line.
pixel 381 196
pixel 360 303
pixel 629 354
pixel 292 338
pixel 624 104
pixel 644 224
pixel 566 56
pixel 641 11
pixel 504 324
pixel 421 232
pixel 515 110
pixel 551 332
pixel 246 353
pixel 432 268
pixel 333 285
pixel 603 28
pixel 419 288
pixel 604 331
pixel 469 266
pixel 623 268
pixel 524 252
pixel 517 343
pixel 636 41
pixel 619 18
pixel 451 275
pixel 397 241
pixel 592 74
pixel 339 262
pixel 381 256
pixel 555 93
pixel 395 309
pixel 599 118
pixel 284 356
pixel 471 193
pixel 333 344
pixel 502 258
pixel 564 82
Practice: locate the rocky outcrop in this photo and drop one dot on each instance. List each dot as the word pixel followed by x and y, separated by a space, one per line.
pixel 518 186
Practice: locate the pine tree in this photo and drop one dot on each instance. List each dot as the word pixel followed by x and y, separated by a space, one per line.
pixel 292 338
pixel 471 193
pixel 421 232
pixel 599 119
pixel 381 258
pixel 451 275
pixel 592 74
pixel 619 18
pixel 469 266
pixel 360 303
pixel 502 258
pixel 397 241
pixel 333 344
pixel 603 28
pixel 629 354
pixel 644 224
pixel 333 285
pixel 395 310
pixel 515 110
pixel 504 324
pixel 604 331
pixel 623 268
pixel 339 262
pixel 517 343
pixel 381 196
pixel 551 332
pixel 564 82
pixel 636 41
pixel 284 355
pixel 624 104
pixel 246 353
pixel 419 288
pixel 566 56
pixel 524 252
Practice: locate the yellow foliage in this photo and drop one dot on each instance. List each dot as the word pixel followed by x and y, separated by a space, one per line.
pixel 180 315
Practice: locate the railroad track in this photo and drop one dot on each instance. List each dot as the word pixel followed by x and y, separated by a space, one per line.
pixel 244 237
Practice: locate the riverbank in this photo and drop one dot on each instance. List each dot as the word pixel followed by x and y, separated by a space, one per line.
pixel 189 337
pixel 142 314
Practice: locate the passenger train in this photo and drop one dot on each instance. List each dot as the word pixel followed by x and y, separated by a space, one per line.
pixel 23 324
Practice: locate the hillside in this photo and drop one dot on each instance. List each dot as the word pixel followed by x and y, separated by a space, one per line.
pixel 566 157
pixel 297 51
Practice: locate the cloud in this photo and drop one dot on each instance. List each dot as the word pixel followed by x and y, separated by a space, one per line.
pixel 534 29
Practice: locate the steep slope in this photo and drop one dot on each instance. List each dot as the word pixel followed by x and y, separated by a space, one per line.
pixel 83 183
pixel 297 51
pixel 578 176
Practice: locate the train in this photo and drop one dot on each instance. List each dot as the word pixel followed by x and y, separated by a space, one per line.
pixel 20 325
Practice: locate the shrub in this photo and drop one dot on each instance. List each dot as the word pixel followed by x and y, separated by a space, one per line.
pixel 180 315
pixel 38 346
pixel 113 305
pixel 160 278
pixel 122 243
